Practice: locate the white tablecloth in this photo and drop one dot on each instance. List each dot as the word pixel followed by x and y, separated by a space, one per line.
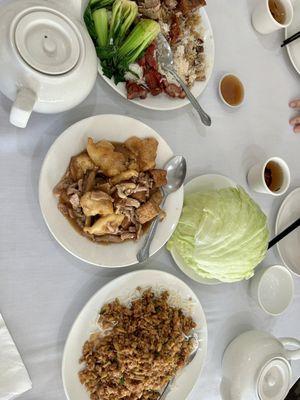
pixel 42 287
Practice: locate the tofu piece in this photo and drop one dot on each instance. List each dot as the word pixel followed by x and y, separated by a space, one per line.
pixel 147 212
pixel 79 165
pixel 157 197
pixel 159 176
pixel 94 203
pixel 109 224
pixel 140 196
pixel 103 154
pixel 145 151
pixel 124 176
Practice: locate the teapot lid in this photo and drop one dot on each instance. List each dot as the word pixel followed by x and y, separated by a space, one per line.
pixel 47 42
pixel 274 380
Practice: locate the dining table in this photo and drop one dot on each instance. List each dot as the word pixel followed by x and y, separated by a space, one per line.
pixel 43 287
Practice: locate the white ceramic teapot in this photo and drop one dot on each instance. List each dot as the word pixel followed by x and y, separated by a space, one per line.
pixel 48 62
pixel 256 367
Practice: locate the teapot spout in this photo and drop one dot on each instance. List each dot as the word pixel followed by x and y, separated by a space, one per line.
pixel 77 7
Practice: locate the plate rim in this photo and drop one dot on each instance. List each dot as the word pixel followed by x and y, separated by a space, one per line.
pixel 119 278
pixel 183 102
pixel 42 172
pixel 286 35
pixel 203 281
pixel 282 206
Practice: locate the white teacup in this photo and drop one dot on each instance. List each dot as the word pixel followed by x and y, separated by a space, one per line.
pixel 263 20
pixel 273 289
pixel 256 177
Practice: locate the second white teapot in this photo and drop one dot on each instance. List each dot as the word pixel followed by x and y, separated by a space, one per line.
pixel 256 367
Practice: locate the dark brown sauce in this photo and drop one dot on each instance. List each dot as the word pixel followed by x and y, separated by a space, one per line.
pixel 273 176
pixel 232 90
pixel 278 11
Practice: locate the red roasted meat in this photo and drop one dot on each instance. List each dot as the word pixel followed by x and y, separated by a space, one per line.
pixel 150 56
pixel 154 81
pixel 142 61
pixel 173 90
pixel 174 29
pixel 135 90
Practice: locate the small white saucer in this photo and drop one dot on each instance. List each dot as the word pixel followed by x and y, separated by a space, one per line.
pixel 202 183
pixel 289 247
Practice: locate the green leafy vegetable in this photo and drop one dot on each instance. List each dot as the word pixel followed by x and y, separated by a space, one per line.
pixel 138 40
pixel 221 234
pixel 89 22
pixel 100 18
pixel 96 4
pixel 118 41
pixel 124 13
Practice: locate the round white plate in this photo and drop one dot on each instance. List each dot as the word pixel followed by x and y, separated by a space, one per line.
pixel 202 184
pixel 163 102
pixel 73 141
pixel 289 247
pixel 123 287
pixel 293 48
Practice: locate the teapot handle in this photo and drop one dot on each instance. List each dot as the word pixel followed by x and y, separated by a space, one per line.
pixel 22 107
pixel 291 354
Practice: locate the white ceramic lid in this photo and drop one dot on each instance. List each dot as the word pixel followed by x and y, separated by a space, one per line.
pixel 47 42
pixel 274 380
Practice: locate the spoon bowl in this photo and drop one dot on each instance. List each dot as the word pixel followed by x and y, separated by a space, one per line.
pixel 176 173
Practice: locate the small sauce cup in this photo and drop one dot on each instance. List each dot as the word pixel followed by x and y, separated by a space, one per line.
pixel 231 90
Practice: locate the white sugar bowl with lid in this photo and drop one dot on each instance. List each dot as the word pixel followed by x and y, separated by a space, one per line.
pixel 48 62
pixel 256 367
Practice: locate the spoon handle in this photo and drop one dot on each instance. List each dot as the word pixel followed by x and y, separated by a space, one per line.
pixel 205 118
pixel 284 233
pixel 144 252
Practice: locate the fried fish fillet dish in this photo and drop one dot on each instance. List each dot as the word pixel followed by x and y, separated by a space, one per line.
pixel 112 191
pixel 137 350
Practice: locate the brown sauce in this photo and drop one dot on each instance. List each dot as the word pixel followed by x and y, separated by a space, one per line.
pixel 273 176
pixel 232 90
pixel 277 10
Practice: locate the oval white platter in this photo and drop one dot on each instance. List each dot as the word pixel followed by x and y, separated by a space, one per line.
pixel 116 128
pixel 123 287
pixel 163 102
pixel 202 183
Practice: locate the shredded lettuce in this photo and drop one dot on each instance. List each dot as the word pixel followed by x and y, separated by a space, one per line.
pixel 221 234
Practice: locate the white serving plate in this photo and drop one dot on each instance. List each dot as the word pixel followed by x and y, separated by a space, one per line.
pixel 293 48
pixel 202 183
pixel 122 287
pixel 73 141
pixel 289 247
pixel 163 102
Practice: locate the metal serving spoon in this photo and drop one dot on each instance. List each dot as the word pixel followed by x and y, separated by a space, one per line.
pixel 165 59
pixel 176 173
pixel 189 360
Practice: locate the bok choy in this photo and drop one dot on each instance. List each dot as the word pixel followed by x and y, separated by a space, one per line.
pixel 118 39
